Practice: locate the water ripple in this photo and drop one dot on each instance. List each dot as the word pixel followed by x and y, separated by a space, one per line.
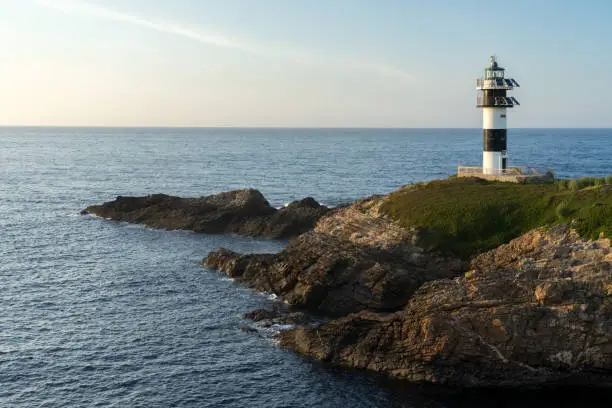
pixel 104 314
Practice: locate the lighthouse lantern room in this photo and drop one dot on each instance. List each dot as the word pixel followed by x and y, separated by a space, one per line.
pixel 494 102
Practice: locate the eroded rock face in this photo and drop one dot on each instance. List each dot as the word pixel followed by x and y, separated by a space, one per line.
pixel 535 311
pixel 352 260
pixel 243 212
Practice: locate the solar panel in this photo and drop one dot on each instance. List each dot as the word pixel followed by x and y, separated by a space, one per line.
pixel 499 82
pixel 509 82
pixel 509 100
pixel 515 101
pixel 515 83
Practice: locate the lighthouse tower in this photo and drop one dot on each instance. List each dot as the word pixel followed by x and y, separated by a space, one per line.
pixel 494 103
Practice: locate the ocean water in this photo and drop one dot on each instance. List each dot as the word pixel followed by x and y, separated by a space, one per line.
pixel 96 313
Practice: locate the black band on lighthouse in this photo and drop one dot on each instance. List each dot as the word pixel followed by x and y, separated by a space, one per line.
pixel 490 95
pixel 494 140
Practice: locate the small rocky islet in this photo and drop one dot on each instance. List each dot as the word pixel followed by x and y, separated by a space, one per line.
pixel 242 212
pixel 459 282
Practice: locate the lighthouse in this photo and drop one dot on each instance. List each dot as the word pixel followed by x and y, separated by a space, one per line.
pixel 494 102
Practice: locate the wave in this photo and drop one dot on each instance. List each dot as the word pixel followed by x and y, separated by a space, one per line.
pixel 278 207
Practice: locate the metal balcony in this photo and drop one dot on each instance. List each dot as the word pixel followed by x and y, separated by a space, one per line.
pixel 499 83
pixel 500 101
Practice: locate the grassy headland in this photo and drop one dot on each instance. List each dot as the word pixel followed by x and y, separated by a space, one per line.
pixel 467 215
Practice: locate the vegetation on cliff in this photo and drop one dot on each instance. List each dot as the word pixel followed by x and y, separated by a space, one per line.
pixel 464 216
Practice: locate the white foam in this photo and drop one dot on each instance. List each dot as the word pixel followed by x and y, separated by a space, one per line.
pixel 269 333
pixel 90 215
pixel 274 341
pixel 282 327
pixel 270 296
pixel 182 230
pixel 132 226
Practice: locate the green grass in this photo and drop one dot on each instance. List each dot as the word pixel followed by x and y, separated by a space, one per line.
pixel 467 216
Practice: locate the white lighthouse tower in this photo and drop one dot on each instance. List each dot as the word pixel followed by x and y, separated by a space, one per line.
pixel 494 103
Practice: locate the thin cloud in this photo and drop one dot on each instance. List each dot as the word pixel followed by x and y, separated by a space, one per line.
pixel 218 40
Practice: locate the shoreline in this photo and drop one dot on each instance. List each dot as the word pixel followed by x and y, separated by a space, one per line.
pixel 382 283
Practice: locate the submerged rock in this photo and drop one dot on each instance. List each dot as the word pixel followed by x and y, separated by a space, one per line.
pixel 243 212
pixel 536 311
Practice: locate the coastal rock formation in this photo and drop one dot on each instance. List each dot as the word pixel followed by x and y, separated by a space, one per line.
pixel 352 260
pixel 242 212
pixel 267 318
pixel 388 282
pixel 535 311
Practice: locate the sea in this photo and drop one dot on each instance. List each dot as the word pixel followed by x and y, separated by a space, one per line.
pixel 97 313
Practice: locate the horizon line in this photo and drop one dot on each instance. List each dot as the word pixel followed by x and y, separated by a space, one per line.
pixel 277 127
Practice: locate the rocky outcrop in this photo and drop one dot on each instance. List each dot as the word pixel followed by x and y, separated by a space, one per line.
pixel 268 318
pixel 242 212
pixel 352 260
pixel 536 311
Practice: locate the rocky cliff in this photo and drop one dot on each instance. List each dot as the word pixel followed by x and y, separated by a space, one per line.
pixel 535 311
pixel 352 260
pixel 242 212
pixel 397 289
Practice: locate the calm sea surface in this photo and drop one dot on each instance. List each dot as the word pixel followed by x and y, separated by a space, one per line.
pixel 100 313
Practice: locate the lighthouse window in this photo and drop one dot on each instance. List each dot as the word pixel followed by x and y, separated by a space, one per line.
pixel 503 115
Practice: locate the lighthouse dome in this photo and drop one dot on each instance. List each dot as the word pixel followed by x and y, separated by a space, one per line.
pixel 493 62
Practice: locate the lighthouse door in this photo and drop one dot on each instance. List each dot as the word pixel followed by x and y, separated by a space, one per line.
pixel 504 163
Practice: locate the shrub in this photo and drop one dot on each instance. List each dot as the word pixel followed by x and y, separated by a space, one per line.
pixel 586 182
pixel 562 210
pixel 469 216
pixel 562 184
pixel 573 185
pixel 600 181
pixel 609 180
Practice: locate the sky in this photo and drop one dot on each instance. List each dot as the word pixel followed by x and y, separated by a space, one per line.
pixel 300 63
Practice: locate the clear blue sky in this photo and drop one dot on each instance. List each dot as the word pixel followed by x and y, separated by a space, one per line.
pixel 348 63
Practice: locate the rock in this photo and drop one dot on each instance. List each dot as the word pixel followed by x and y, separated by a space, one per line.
pixel 552 292
pixel 260 314
pixel 297 318
pixel 267 318
pixel 504 323
pixel 333 271
pixel 296 218
pixel 247 329
pixel 243 212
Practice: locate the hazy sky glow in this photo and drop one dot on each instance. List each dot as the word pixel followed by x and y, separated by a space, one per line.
pixel 347 63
